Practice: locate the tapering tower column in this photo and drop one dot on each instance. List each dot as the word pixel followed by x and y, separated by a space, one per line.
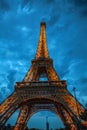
pixel 42 65
pixel 42 51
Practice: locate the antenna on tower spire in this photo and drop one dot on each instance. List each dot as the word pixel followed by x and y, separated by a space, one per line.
pixel 43 24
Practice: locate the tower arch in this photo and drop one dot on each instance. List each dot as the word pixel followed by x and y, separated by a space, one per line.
pixel 39 104
pixel 41 117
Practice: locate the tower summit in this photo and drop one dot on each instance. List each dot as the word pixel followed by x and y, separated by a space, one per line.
pixel 42 50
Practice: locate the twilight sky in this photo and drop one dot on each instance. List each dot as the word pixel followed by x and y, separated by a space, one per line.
pixel 66 38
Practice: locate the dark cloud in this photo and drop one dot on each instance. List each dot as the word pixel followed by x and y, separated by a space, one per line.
pixel 4 6
pixel 83 83
pixel 53 20
pixel 24 2
pixel 83 12
pixel 83 80
pixel 50 1
pixel 81 6
pixel 11 79
pixel 80 2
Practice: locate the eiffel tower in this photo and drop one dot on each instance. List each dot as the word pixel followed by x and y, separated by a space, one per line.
pixel 33 94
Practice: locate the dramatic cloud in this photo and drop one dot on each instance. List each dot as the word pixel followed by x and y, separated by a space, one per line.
pixel 80 2
pixel 4 6
pixel 66 38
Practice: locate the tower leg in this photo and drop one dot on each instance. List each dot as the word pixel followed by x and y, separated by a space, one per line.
pixel 20 125
pixel 66 118
pixel 52 75
pixel 7 108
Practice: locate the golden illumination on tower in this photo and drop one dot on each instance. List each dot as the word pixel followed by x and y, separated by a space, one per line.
pixel 34 93
pixel 42 51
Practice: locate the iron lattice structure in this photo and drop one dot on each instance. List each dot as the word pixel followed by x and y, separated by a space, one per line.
pixel 32 95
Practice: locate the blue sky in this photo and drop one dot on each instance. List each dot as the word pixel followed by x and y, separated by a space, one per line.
pixel 66 38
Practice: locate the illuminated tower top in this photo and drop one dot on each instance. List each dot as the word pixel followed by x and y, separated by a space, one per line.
pixel 42 50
